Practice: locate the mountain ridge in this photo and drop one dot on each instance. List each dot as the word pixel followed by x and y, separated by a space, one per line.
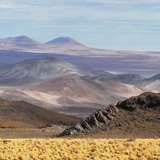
pixel 20 42
pixel 37 70
pixel 25 42
pixel 72 94
pixel 65 42
pixel 151 83
pixel 111 60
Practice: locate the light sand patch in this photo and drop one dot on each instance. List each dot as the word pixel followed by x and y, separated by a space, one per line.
pixel 44 97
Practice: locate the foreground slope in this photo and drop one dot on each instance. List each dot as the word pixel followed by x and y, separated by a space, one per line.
pixel 137 116
pixel 25 115
pixel 72 94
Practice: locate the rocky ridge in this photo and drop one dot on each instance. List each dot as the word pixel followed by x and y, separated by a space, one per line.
pixel 143 101
pixel 94 121
pixel 143 105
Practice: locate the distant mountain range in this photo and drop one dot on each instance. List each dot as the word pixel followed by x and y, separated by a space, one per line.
pixel 77 88
pixel 15 43
pixel 124 78
pixel 63 87
pixel 65 42
pixel 16 49
pixel 151 83
pixel 36 70
pixel 24 43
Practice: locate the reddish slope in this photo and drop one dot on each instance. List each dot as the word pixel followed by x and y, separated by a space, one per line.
pixel 74 94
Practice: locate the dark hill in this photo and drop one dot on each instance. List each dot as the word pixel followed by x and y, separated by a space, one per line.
pixel 25 115
pixel 144 101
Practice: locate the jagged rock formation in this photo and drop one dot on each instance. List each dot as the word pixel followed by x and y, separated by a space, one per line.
pixel 145 100
pixel 130 113
pixel 95 120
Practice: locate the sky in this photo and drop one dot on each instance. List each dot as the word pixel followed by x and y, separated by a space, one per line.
pixel 107 24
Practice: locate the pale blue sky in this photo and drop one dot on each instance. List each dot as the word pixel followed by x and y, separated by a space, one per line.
pixel 108 24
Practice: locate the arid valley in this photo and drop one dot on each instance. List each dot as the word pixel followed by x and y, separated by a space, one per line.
pixel 79 80
pixel 35 91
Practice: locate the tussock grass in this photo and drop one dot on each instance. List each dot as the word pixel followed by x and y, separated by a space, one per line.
pixel 80 149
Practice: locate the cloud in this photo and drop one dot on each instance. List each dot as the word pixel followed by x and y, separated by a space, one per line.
pixel 118 1
pixel 121 21
pixel 50 10
pixel 5 6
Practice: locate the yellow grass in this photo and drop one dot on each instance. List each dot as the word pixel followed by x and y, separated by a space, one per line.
pixel 80 149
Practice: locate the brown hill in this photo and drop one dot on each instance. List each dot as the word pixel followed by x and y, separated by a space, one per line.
pixel 72 94
pixel 25 115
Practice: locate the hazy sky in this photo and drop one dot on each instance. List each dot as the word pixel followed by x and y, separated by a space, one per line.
pixel 110 24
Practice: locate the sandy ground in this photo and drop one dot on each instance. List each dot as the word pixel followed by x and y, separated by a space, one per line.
pixel 9 133
pixel 52 132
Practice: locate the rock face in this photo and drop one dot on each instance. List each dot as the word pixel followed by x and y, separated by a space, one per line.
pixel 134 110
pixel 143 101
pixel 95 120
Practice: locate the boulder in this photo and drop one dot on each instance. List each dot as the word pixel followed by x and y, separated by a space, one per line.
pixel 143 101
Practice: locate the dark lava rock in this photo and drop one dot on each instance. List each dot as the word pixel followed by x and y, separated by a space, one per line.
pixel 133 113
pixel 95 120
pixel 143 101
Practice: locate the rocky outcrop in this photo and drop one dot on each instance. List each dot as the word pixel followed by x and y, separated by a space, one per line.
pixel 143 101
pixel 104 118
pixel 95 120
